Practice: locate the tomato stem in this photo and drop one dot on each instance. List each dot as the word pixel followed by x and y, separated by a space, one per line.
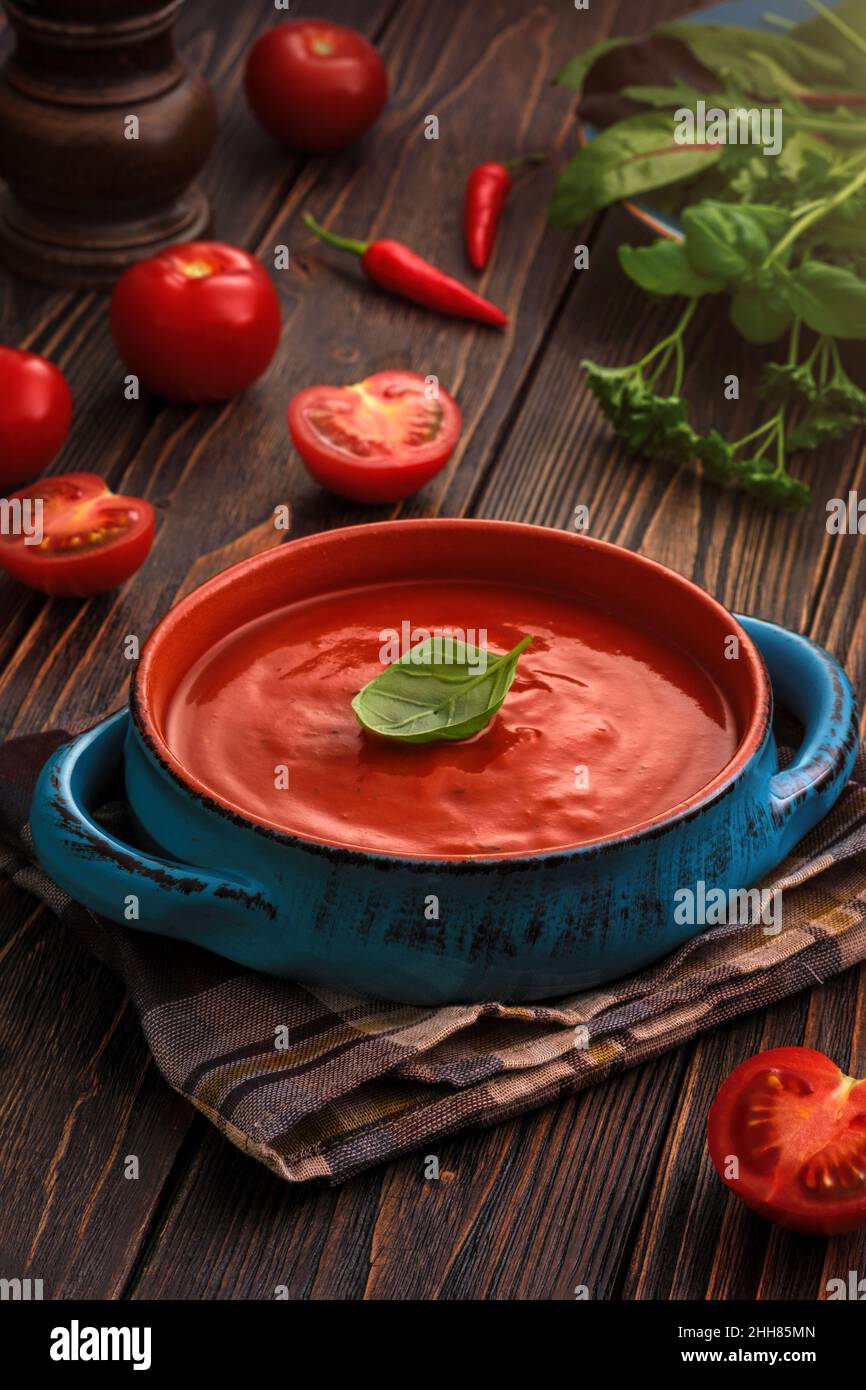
pixel 341 243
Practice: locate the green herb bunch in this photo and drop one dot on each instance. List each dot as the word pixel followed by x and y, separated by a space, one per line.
pixel 783 237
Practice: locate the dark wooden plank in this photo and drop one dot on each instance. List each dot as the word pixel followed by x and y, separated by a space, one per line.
pixel 532 1209
pixel 559 454
pixel 71 1216
pixel 506 1220
pixel 80 1096
pixel 705 1243
pixel 456 87
pixel 157 1275
pixel 145 446
pixel 215 476
pixel 754 562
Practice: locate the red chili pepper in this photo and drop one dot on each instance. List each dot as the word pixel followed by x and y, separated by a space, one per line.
pixel 397 268
pixel 487 189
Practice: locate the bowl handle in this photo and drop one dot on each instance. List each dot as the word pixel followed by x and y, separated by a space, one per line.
pixel 104 873
pixel 812 685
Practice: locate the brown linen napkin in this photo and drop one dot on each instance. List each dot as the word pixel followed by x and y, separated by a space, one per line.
pixel 319 1084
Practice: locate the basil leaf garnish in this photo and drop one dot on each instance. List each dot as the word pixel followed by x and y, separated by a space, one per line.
pixel 419 699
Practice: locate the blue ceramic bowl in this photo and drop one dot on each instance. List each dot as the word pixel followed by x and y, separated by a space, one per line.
pixel 520 927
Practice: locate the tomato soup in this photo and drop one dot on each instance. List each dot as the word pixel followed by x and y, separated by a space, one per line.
pixel 606 726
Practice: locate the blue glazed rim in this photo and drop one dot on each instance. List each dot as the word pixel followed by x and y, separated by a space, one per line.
pixel 747 14
pixel 752 744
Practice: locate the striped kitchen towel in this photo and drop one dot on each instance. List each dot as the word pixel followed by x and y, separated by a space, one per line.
pixel 319 1084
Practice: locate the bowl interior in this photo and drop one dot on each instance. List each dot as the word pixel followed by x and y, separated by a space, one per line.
pixel 472 550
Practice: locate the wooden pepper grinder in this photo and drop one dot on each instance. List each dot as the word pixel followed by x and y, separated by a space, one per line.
pixel 102 131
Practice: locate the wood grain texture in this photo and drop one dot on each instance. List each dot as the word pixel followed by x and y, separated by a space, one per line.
pixel 79 1096
pixel 611 1189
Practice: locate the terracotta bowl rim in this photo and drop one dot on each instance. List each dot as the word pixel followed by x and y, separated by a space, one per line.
pixel 751 742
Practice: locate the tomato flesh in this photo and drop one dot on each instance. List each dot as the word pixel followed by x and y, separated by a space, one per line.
pixel 378 440
pixel 91 539
pixel 199 322
pixel 787 1133
pixel 35 414
pixel 315 86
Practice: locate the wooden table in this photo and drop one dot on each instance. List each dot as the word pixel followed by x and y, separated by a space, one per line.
pixel 611 1189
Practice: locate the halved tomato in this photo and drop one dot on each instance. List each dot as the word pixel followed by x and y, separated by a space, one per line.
pixel 83 539
pixel 379 439
pixel 787 1133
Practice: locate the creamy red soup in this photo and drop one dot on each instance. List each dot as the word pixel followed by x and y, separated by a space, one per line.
pixel 607 725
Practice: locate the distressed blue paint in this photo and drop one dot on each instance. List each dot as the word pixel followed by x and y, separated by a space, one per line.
pixel 519 929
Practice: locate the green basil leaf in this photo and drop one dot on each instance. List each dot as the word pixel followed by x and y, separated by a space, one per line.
pixel 680 93
pixel 760 309
pixel 763 62
pixel 821 35
pixel 663 268
pixel 574 72
pixel 829 299
pixel 843 125
pixel 840 238
pixel 726 241
pixel 419 699
pixel 625 160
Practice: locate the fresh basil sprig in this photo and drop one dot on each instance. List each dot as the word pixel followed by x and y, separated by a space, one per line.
pixel 630 158
pixel 782 238
pixel 420 700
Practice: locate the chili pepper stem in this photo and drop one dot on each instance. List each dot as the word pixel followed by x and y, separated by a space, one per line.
pixel 340 243
pixel 523 161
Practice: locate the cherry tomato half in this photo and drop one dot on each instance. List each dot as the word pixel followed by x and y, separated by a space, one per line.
pixel 316 86
pixel 378 440
pixel 35 412
pixel 787 1133
pixel 199 322
pixel 92 539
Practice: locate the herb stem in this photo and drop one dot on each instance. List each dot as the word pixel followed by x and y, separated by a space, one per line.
pixel 747 438
pixel 815 215
pixel 814 353
pixel 653 352
pixel 773 430
pixel 681 365
pixel 780 444
pixel 807 207
pixel 686 318
pixel 671 337
pixel 840 376
pixel 844 29
pixel 661 367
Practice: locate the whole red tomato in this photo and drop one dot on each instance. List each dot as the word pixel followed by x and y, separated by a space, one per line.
pixel 787 1133
pixel 35 411
pixel 199 322
pixel 76 537
pixel 377 440
pixel 315 86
